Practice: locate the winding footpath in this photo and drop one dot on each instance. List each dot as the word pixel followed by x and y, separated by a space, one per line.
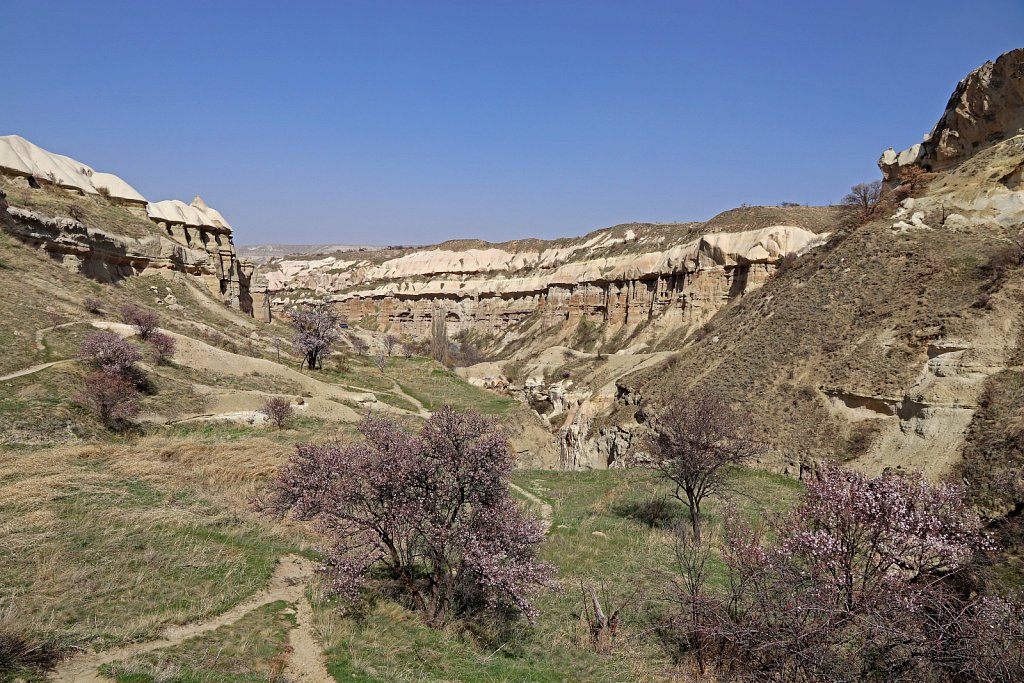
pixel 33 369
pixel 288 584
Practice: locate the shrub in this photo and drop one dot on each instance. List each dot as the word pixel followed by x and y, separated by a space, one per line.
pixel 164 345
pixel 144 321
pixel 856 584
pixel 113 398
pixel 390 343
pixel 92 304
pixel 381 360
pixel 428 516
pixel 278 411
pixel 108 352
pixel 1002 259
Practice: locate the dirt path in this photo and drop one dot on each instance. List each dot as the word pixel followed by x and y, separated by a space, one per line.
pixel 306 663
pixel 546 511
pixel 424 413
pixel 32 370
pixel 288 584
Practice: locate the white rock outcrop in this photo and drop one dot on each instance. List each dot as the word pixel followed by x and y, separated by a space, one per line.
pixel 19 157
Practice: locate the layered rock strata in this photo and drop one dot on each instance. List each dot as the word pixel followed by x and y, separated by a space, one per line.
pixel 620 277
pixel 193 238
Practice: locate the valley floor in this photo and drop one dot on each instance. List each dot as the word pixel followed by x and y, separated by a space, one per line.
pixel 145 562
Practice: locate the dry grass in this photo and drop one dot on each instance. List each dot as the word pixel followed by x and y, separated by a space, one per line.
pixel 103 545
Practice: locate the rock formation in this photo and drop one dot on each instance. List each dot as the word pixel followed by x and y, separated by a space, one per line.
pixel 21 159
pixel 677 275
pixel 986 107
pixel 192 238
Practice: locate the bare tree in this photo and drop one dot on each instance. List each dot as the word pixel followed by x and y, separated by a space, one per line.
pixel 865 199
pixel 381 360
pixel 699 437
pixel 359 345
pixel 390 343
pixel 144 321
pixel 316 331
pixel 278 342
pixel 278 410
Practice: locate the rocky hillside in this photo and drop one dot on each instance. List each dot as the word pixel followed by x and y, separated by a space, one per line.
pixel 97 224
pixel 880 346
pixel 621 287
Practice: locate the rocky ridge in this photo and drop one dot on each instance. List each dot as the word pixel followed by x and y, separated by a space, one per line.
pixel 617 279
pixel 72 212
pixel 987 107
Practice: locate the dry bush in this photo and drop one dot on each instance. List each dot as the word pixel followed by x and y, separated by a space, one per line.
pixel 92 304
pixel 278 411
pixel 21 651
pixel 111 397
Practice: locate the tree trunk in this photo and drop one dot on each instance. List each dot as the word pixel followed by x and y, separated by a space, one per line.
pixel 694 506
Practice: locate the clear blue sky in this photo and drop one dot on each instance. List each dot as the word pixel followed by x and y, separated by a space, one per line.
pixel 413 122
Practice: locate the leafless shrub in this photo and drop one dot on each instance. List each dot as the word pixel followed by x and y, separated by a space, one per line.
pixel 390 343
pixel 381 360
pixel 112 397
pixel 55 315
pixel 164 346
pixel 1004 258
pixel 278 411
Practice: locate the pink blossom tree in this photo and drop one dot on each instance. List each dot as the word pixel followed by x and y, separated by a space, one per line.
pixel 109 352
pixel 858 583
pixel 427 515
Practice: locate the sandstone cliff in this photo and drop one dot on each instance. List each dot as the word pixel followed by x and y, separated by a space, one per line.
pixel 97 224
pixel 986 108
pixel 878 348
pixel 629 283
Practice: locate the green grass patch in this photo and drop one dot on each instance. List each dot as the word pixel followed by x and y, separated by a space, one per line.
pixel 250 650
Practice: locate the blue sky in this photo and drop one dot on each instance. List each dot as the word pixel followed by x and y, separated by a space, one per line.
pixel 413 122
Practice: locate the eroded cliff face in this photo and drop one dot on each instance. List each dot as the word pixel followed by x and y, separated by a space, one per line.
pixel 619 279
pixel 986 108
pixel 99 225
